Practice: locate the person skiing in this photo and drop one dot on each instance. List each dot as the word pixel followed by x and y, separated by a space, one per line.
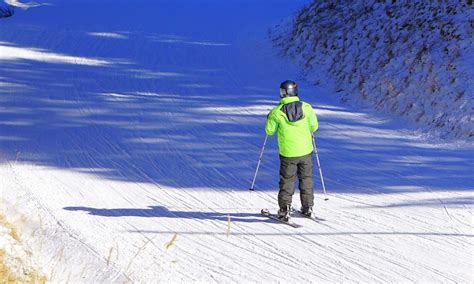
pixel 295 122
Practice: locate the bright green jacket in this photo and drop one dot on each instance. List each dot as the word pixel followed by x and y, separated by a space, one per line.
pixel 294 138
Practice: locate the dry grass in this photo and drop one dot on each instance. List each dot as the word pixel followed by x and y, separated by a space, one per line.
pixel 6 273
pixel 110 256
pixel 172 241
pixel 13 232
pixel 6 276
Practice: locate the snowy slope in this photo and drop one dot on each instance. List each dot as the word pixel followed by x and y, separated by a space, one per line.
pixel 129 133
pixel 411 58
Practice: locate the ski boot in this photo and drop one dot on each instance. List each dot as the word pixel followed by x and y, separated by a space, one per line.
pixel 307 212
pixel 284 214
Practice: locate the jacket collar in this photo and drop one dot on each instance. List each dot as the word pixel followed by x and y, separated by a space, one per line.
pixel 287 100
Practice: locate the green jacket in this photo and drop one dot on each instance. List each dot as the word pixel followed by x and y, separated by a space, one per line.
pixel 295 122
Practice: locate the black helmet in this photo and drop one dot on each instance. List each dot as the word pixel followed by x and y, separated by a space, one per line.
pixel 288 88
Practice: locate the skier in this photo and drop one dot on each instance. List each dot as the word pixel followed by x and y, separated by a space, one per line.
pixel 294 121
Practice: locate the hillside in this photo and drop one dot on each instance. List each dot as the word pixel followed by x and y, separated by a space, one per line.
pixel 410 58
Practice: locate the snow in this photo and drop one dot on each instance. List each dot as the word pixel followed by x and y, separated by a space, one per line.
pixel 20 53
pixel 128 144
pixel 110 35
pixel 23 5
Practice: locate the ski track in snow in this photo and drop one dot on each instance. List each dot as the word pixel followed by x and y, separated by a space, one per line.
pixel 161 134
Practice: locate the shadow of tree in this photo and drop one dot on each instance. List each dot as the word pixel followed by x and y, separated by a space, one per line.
pixel 165 103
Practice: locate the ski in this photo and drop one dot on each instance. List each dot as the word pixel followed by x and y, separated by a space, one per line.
pixel 314 218
pixel 266 213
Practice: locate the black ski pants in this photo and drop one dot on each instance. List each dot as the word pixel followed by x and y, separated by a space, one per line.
pixel 289 169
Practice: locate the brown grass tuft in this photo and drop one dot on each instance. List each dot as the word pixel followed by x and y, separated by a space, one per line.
pixel 6 273
pixel 172 241
pixel 13 232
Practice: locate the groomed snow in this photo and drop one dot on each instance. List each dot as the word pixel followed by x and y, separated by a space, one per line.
pixel 129 134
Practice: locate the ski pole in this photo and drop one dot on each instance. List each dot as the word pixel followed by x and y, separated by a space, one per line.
pixel 319 167
pixel 258 163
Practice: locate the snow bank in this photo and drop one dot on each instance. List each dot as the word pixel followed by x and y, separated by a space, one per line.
pixel 411 58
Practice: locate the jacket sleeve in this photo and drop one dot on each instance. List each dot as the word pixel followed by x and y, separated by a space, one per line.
pixel 271 124
pixel 312 119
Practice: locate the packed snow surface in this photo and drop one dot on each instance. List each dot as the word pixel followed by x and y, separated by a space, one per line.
pixel 411 58
pixel 129 135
